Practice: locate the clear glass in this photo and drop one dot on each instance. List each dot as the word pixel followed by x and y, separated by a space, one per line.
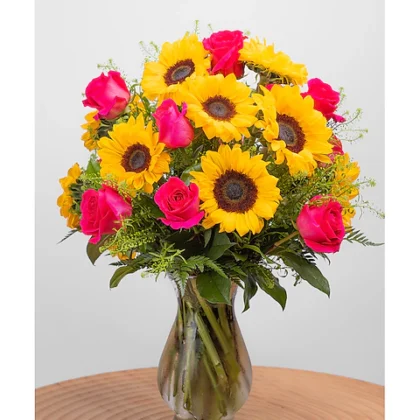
pixel 204 371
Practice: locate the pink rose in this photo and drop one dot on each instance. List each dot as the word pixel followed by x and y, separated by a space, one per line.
pixel 175 130
pixel 224 47
pixel 321 225
pixel 108 94
pixel 325 99
pixel 179 203
pixel 102 212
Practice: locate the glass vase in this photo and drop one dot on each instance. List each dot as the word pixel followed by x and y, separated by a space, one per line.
pixel 204 372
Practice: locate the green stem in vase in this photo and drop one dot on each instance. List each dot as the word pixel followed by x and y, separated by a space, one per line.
pixel 211 350
pixel 212 319
pixel 224 321
pixel 224 342
pixel 180 323
pixel 220 397
pixel 190 335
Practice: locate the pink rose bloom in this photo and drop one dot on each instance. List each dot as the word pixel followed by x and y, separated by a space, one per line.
pixel 175 130
pixel 321 226
pixel 108 94
pixel 102 212
pixel 179 203
pixel 224 47
pixel 325 99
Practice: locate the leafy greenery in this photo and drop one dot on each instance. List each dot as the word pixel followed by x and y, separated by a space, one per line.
pixel 354 235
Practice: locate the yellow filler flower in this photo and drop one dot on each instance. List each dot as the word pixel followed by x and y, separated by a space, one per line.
pixel 236 190
pixel 65 201
pixel 343 188
pixel 294 129
pixel 220 105
pixel 133 154
pixel 90 135
pixel 176 63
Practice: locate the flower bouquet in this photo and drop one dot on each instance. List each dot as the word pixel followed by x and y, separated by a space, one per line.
pixel 219 170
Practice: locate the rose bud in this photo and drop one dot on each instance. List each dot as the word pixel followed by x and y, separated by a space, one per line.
pixel 175 130
pixel 108 94
pixel 321 225
pixel 224 47
pixel 102 212
pixel 179 203
pixel 325 99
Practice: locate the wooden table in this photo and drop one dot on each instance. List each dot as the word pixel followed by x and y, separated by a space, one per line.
pixel 283 394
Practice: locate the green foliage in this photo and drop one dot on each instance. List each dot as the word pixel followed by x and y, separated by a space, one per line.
pixel 71 233
pixel 307 271
pixel 214 288
pixel 268 282
pixel 93 167
pixel 94 251
pixel 119 274
pixel 251 289
pixel 354 235
pixel 219 245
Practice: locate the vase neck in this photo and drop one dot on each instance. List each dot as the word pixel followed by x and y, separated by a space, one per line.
pixel 191 295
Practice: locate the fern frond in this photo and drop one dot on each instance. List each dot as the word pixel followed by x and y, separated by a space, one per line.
pixel 354 235
pixel 72 232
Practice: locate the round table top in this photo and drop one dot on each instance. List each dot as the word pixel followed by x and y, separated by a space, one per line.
pixel 276 393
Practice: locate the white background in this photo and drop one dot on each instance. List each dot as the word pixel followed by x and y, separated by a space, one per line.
pixel 82 327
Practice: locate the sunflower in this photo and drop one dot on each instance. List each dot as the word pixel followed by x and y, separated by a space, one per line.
pixel 278 64
pixel 65 201
pixel 294 129
pixel 221 105
pixel 343 187
pixel 133 154
pixel 177 62
pixel 91 126
pixel 236 190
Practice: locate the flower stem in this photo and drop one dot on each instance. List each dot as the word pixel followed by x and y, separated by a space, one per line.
pixel 211 350
pixel 224 321
pixel 228 350
pixel 220 397
pixel 212 319
pixel 190 335
pixel 282 241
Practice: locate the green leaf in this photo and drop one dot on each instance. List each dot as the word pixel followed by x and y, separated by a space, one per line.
pixel 119 274
pixel 308 272
pixel 270 284
pixel 239 257
pixel 255 249
pixel 207 236
pixel 214 288
pixel 185 176
pixel 93 250
pixel 250 290
pixel 220 244
pixel 93 166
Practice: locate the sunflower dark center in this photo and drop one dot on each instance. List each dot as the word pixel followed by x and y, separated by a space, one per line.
pixel 179 72
pixel 136 158
pixel 219 108
pixel 291 133
pixel 235 192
